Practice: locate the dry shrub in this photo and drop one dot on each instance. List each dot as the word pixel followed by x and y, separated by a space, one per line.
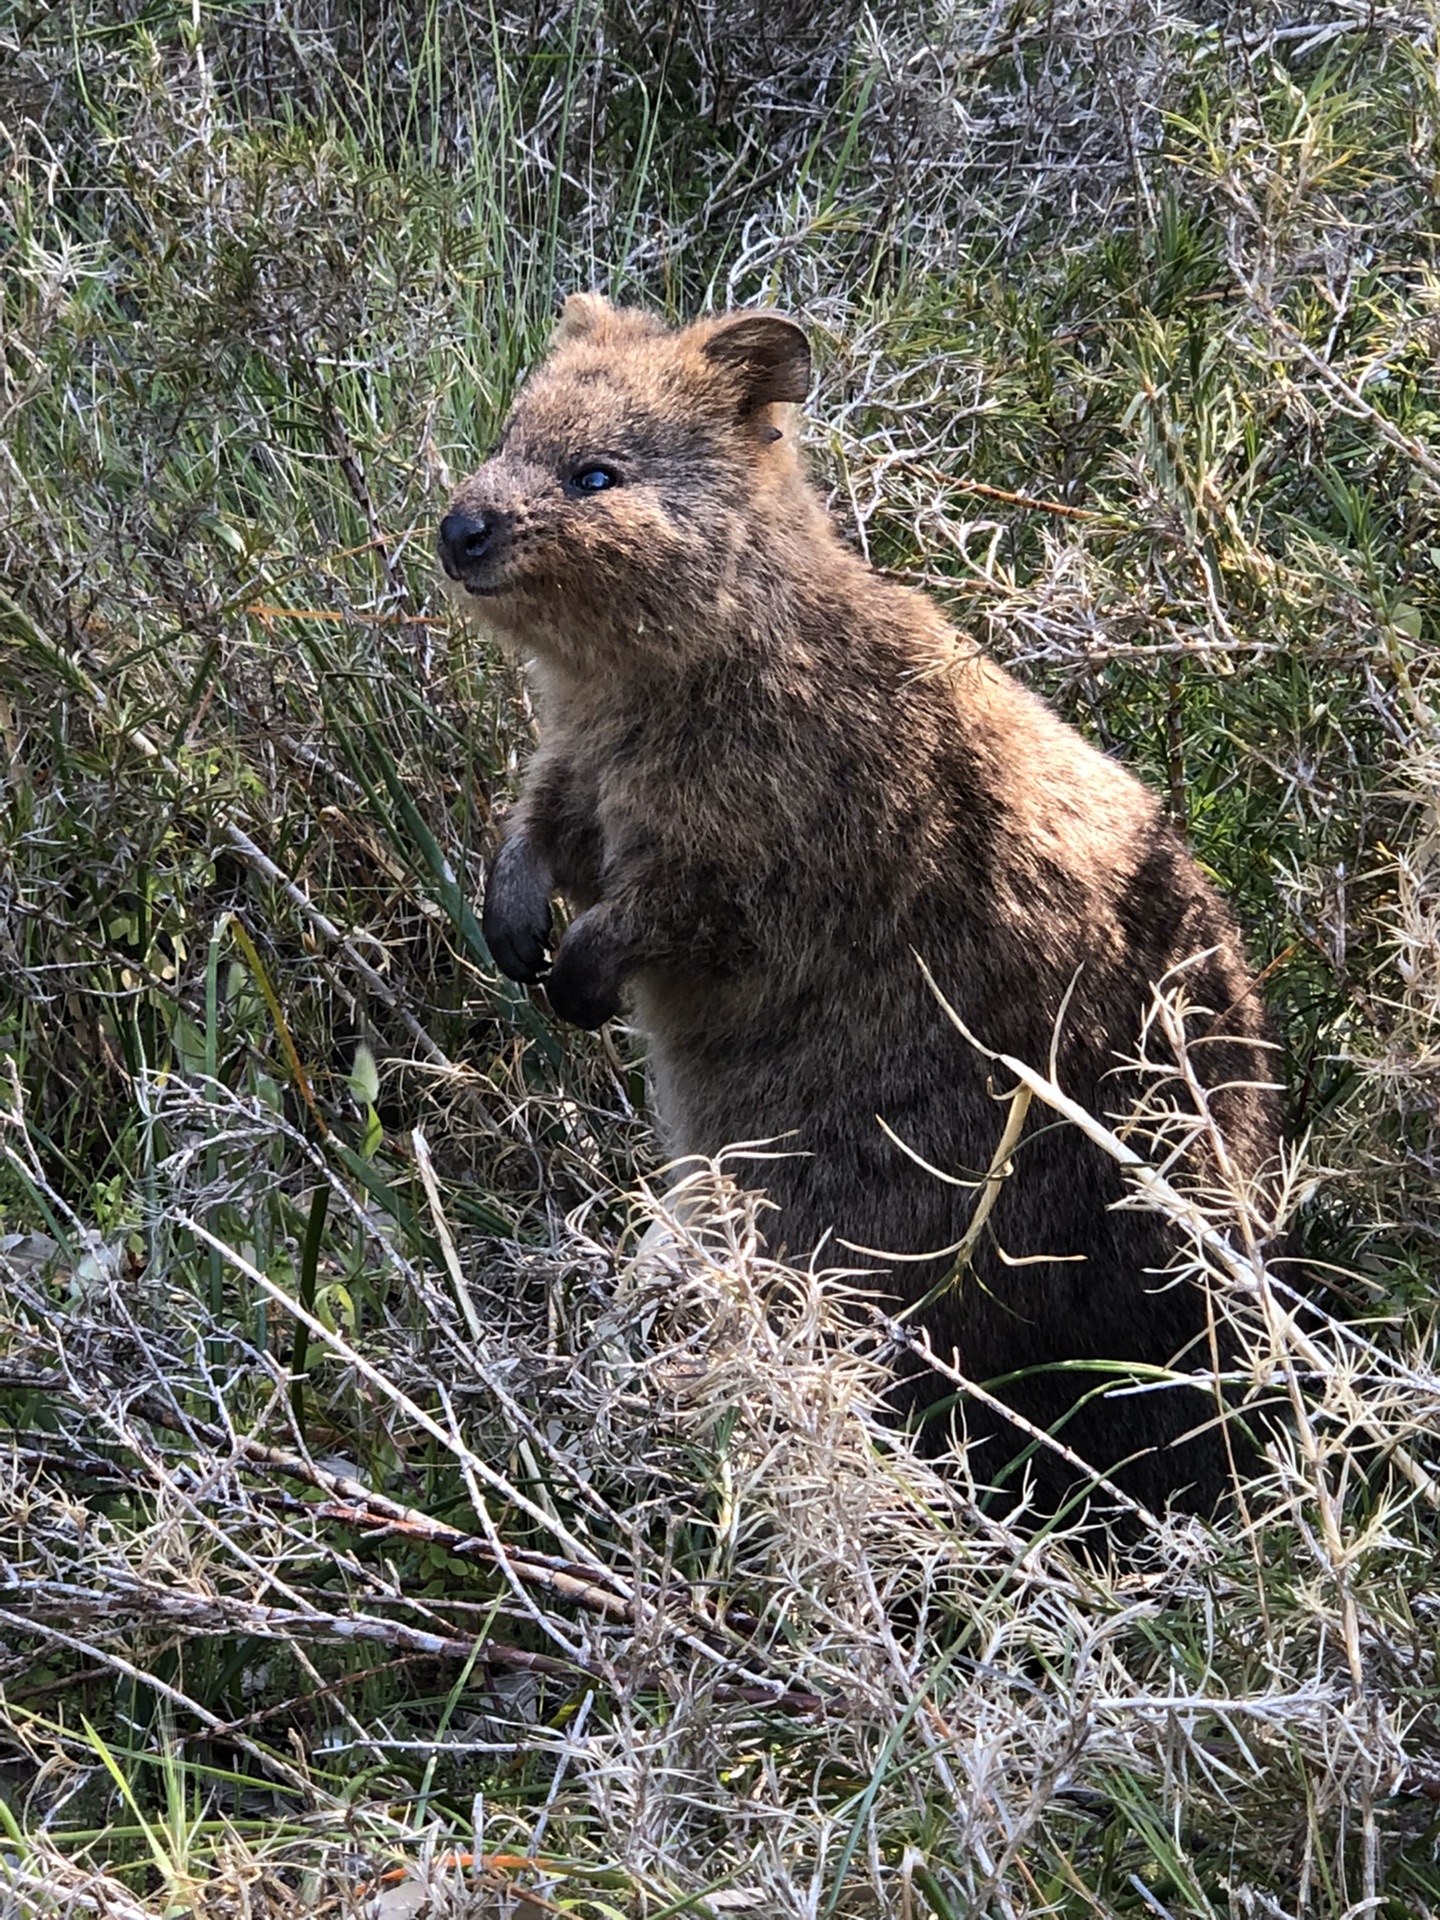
pixel 747 1640
pixel 1387 1144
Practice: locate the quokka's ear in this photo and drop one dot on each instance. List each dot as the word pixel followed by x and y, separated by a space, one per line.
pixel 581 315
pixel 767 355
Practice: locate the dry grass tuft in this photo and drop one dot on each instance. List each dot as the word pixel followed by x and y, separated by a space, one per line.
pixel 744 1639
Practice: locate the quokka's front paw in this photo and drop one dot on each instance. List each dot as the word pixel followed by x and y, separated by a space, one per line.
pixel 583 986
pixel 516 916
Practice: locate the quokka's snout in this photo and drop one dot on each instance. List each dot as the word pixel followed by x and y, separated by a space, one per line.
pixel 465 540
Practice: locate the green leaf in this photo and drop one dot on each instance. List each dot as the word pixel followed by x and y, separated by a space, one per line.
pixel 364 1080
pixel 1408 620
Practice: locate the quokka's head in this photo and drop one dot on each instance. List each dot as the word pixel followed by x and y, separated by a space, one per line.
pixel 637 471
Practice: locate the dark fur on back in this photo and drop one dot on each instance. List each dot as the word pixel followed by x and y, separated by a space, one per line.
pixel 768 779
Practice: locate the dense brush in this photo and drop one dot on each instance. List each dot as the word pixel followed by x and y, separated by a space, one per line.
pixel 360 1516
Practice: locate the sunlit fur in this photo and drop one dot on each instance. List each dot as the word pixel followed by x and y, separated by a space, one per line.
pixel 768 779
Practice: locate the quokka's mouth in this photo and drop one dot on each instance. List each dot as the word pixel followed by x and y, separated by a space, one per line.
pixel 463 588
pixel 481 581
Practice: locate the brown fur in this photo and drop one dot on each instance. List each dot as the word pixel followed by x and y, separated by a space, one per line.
pixel 768 779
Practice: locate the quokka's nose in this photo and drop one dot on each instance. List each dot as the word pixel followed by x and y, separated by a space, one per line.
pixel 464 538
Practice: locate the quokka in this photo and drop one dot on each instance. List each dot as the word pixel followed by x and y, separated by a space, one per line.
pixel 768 779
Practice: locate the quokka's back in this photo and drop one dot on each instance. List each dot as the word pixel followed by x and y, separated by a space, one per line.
pixel 768 780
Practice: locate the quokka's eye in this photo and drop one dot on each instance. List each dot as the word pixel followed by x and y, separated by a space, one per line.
pixel 594 479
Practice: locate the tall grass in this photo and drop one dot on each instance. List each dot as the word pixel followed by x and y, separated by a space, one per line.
pixel 363 1518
